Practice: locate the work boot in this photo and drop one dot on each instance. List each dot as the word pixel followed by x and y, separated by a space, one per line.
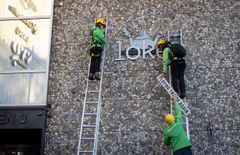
pixel 182 95
pixel 91 76
pixel 97 76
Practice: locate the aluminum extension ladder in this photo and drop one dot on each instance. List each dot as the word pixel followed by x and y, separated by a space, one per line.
pixel 90 122
pixel 176 38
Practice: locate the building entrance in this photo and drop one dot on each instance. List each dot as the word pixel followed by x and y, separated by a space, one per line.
pixel 20 141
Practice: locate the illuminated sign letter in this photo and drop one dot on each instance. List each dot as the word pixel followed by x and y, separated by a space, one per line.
pixel 148 51
pixel 119 51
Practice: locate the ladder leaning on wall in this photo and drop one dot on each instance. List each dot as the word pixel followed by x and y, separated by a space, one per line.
pixel 183 104
pixel 174 37
pixel 90 121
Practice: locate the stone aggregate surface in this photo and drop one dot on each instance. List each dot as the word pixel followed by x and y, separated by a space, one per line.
pixel 132 118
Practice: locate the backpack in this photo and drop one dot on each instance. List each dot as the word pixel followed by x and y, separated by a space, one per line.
pixel 177 50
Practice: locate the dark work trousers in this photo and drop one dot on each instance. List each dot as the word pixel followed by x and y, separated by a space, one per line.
pixel 177 72
pixel 183 151
pixel 95 53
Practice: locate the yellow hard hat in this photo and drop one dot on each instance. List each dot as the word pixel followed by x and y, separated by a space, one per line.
pixel 160 42
pixel 101 21
pixel 170 119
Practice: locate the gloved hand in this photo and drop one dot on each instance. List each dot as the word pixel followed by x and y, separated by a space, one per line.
pixel 94 42
pixel 163 75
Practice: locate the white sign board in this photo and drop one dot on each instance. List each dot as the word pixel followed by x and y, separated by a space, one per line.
pixel 171 92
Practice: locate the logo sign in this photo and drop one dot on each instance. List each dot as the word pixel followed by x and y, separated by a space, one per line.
pixel 21 34
pixel 13 119
pixel 28 4
pixel 22 56
pixel 141 45
pixel 171 92
pixel 29 24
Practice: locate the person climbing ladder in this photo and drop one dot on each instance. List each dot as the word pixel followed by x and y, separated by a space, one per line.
pixel 173 55
pixel 98 42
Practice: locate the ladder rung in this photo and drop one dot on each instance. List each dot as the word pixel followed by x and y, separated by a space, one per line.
pixel 89 126
pixel 92 91
pixel 90 114
pixel 92 102
pixel 174 35
pixel 86 151
pixel 93 81
pixel 88 138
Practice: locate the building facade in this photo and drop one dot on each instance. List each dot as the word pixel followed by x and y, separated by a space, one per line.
pixel 134 102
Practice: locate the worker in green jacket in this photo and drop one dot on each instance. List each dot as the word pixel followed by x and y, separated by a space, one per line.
pixel 98 42
pixel 177 65
pixel 174 134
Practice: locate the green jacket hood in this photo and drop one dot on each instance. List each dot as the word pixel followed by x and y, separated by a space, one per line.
pixel 174 129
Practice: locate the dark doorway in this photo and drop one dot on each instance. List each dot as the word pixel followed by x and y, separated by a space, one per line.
pixel 20 141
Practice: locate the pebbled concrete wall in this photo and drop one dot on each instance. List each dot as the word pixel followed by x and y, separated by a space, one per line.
pixel 134 102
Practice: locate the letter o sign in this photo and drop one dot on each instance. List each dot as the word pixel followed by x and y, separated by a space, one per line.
pixel 133 58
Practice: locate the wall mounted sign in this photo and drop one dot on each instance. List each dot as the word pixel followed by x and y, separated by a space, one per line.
pixel 25 49
pixel 21 55
pixel 29 24
pixel 17 118
pixel 28 4
pixel 13 118
pixel 21 34
pixel 140 46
